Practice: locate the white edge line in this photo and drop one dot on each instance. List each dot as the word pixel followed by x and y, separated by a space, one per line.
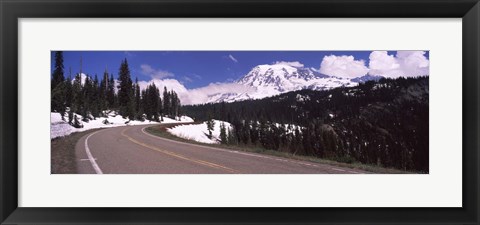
pixel 201 146
pixel 90 156
pixel 243 153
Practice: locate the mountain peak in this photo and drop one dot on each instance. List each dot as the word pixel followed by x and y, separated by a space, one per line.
pixel 275 75
pixel 269 80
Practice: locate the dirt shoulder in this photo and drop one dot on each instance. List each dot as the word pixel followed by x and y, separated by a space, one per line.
pixel 63 160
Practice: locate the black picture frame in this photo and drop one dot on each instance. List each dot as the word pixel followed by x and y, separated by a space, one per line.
pixel 11 11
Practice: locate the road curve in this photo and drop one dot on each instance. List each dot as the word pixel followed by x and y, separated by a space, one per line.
pixel 131 150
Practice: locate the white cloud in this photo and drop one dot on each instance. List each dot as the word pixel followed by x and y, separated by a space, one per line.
pixel 293 64
pixel 343 66
pixel 154 73
pixel 403 64
pixel 201 95
pixel 196 95
pixel 232 58
pixel 187 79
pixel 161 83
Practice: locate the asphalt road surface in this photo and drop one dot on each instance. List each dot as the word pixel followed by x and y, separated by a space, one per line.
pixel 131 150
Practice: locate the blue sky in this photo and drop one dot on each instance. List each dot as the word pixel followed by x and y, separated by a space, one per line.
pixel 194 69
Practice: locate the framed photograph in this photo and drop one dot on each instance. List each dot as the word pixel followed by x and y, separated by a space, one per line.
pixel 251 112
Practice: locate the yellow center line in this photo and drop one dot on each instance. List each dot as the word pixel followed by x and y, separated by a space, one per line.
pixel 176 155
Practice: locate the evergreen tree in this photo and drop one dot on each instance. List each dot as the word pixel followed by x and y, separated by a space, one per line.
pixel 263 133
pixel 159 104
pixel 70 117
pixel 254 132
pixel 177 105
pixel 87 99
pixel 210 126
pixel 58 87
pixel 138 110
pixel 125 91
pixel 103 92
pixel 223 134
pixel 231 139
pixel 57 76
pixel 174 104
pixel 95 97
pixel 58 99
pixel 111 93
pixel 77 123
pixel 152 102
pixel 166 101
pixel 69 92
pixel 143 100
pixel 131 104
pixel 77 94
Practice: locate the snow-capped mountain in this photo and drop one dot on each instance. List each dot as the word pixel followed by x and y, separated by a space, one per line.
pixel 366 78
pixel 270 80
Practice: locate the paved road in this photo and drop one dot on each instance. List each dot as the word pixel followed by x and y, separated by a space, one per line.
pixel 131 150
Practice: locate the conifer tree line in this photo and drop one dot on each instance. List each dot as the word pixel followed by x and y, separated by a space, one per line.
pixel 383 122
pixel 94 97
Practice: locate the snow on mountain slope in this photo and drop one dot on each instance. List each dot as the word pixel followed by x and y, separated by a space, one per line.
pixel 366 78
pixel 270 80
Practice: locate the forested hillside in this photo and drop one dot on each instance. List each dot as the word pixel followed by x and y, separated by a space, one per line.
pixel 384 122
pixel 91 97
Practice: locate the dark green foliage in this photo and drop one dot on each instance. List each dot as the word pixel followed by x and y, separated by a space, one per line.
pixel 77 94
pixel 105 121
pixel 125 91
pixel 68 92
pixel 95 98
pixel 70 117
pixel 87 96
pixel 210 126
pixel 171 104
pixel 58 98
pixel 138 102
pixel 76 122
pixel 88 99
pixel 166 101
pixel 231 139
pixel 92 98
pixel 175 105
pixel 111 97
pixel 57 76
pixel 103 91
pixel 131 105
pixel 381 122
pixel 223 134
pixel 58 88
pixel 152 102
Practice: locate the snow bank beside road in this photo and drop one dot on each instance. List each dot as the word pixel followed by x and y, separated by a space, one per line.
pixel 198 132
pixel 60 128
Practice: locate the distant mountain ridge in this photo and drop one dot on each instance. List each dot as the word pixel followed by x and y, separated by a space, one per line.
pixel 270 80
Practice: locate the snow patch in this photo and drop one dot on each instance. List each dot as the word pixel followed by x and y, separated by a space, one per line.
pixel 301 98
pixel 60 128
pixel 198 132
